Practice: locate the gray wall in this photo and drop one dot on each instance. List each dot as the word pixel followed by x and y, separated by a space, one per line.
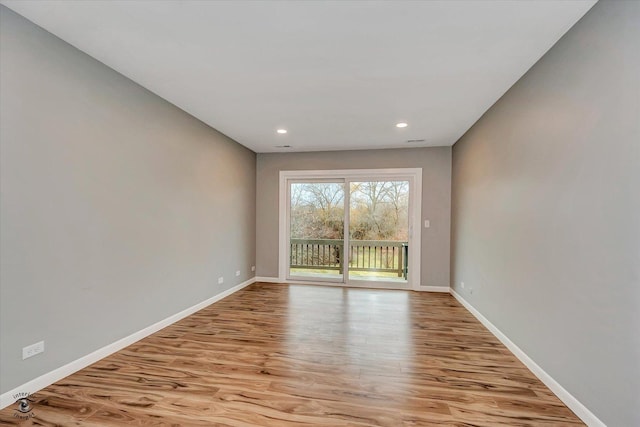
pixel 546 213
pixel 117 208
pixel 436 199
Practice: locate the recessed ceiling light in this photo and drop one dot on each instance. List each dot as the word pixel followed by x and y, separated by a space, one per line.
pixel 282 131
pixel 401 125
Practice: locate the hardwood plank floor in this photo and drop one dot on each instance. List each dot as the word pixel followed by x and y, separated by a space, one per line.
pixel 278 355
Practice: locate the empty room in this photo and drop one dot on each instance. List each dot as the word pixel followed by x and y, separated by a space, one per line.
pixel 320 213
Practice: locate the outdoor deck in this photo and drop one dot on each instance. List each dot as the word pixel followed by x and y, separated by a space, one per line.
pixel 367 259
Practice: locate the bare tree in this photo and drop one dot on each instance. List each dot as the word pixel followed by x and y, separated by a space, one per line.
pixel 327 196
pixel 398 196
pixel 379 210
pixel 317 210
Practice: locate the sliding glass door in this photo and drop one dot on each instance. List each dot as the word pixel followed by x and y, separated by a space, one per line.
pixel 316 230
pixel 350 227
pixel 378 230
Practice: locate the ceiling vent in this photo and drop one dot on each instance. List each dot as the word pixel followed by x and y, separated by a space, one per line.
pixel 416 140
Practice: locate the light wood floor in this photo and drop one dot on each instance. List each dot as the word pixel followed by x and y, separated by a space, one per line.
pixel 277 355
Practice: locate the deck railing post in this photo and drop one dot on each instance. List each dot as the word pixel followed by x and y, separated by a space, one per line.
pixel 405 249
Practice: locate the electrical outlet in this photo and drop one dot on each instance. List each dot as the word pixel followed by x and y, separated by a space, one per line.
pixel 253 268
pixel 220 280
pixel 237 273
pixel 462 285
pixel 32 350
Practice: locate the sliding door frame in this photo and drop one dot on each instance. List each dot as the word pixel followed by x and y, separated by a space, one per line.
pixel 414 175
pixel 345 199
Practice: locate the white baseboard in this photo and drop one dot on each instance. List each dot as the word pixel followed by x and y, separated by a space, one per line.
pixel 567 398
pixel 49 378
pixel 267 279
pixel 444 289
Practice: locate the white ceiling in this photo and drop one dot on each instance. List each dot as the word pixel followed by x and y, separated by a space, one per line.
pixel 336 74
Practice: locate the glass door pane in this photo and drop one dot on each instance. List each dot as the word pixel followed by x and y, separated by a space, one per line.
pixel 378 230
pixel 316 230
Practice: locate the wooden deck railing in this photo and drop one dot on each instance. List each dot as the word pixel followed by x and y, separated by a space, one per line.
pixel 364 255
